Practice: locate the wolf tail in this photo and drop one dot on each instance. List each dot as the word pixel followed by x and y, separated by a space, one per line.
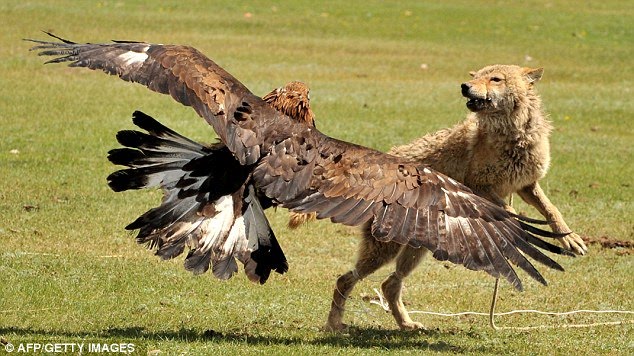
pixel 209 203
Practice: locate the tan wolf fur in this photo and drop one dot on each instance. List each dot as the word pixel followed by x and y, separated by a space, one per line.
pixel 501 148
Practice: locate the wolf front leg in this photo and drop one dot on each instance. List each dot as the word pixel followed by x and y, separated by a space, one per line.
pixel 535 196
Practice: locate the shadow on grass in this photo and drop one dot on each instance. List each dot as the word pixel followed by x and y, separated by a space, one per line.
pixel 370 338
pixel 388 339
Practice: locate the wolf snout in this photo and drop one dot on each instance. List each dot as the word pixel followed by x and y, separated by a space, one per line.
pixel 465 89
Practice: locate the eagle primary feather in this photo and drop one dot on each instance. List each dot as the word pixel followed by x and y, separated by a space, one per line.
pixel 302 169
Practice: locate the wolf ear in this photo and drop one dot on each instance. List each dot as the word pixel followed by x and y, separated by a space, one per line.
pixel 532 74
pixel 472 73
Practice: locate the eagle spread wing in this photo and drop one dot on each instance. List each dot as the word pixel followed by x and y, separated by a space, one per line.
pixel 183 72
pixel 304 170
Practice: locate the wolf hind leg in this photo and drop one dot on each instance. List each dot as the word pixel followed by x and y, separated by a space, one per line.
pixel 392 287
pixel 372 255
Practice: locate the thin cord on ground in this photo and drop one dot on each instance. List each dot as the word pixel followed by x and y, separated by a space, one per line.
pixel 491 314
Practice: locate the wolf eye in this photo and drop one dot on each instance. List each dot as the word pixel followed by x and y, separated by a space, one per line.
pixel 496 79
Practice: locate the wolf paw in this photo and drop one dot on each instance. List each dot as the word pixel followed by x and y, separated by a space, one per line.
pixel 335 327
pixel 574 243
pixel 411 325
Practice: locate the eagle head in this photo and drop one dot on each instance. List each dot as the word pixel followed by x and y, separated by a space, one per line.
pixel 293 100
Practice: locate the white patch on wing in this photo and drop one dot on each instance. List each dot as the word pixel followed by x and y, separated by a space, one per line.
pixel 452 181
pixel 219 225
pixel 464 195
pixel 131 57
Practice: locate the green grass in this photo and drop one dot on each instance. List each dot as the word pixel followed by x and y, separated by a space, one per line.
pixel 70 273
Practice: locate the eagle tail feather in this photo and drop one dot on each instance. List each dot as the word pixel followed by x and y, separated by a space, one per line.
pixel 196 180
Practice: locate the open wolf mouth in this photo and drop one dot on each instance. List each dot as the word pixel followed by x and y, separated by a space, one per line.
pixel 477 104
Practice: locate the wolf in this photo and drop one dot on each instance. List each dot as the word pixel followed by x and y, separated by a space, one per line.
pixel 501 148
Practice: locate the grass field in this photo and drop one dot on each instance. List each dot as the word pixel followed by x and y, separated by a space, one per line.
pixel 381 74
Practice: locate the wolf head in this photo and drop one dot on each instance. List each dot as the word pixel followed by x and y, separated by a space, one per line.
pixel 500 88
